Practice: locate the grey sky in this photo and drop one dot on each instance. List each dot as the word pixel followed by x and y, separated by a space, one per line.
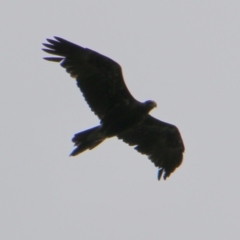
pixel 185 55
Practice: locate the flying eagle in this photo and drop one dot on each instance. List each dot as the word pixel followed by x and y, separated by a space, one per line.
pixel 101 81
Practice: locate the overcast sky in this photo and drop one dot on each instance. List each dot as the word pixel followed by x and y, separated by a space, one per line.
pixel 185 55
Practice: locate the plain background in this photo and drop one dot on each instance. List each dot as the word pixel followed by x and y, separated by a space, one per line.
pixel 185 55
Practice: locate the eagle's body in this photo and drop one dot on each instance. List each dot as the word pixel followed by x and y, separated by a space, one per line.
pixel 101 82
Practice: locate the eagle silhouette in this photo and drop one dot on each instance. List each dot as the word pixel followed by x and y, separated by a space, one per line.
pixel 101 81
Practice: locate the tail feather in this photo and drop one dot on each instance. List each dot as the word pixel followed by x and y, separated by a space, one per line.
pixel 79 137
pixel 87 139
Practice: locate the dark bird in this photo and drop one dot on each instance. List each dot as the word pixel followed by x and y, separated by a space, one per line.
pixel 101 81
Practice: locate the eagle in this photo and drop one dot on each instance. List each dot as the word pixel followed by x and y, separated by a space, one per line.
pixel 101 82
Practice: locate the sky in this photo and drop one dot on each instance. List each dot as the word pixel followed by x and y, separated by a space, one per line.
pixel 183 54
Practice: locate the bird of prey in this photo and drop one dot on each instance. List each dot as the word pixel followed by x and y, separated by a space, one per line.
pixel 101 82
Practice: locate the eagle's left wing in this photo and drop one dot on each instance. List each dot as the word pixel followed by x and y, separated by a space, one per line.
pixel 160 141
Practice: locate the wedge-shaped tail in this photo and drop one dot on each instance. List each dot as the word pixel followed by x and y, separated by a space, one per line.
pixel 87 139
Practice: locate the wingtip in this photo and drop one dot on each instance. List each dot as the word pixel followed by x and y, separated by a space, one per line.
pixel 73 153
pixel 76 151
pixel 59 39
pixel 160 172
pixel 53 59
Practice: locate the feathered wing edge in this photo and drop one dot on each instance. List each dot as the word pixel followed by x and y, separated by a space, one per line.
pixel 160 141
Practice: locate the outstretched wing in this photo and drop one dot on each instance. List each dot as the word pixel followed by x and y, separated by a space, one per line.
pixel 160 141
pixel 99 78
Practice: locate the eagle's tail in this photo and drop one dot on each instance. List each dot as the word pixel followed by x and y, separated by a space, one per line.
pixel 87 139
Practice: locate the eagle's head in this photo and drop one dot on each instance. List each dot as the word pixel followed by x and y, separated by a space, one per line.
pixel 149 105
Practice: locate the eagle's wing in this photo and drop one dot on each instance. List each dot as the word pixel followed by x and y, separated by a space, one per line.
pixel 99 78
pixel 160 141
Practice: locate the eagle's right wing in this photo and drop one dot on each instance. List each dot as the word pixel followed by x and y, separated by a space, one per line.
pixel 99 78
